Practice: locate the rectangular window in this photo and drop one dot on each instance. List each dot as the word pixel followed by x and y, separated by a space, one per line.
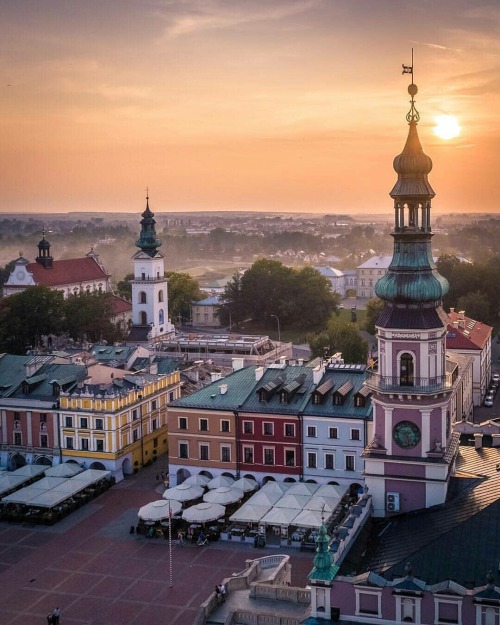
pixel 84 423
pixel 17 415
pixel 18 440
pixel 154 404
pixel 248 427
pixel 68 422
pixel 349 462
pixel 171 396
pixel 43 418
pixel 99 445
pixel 248 455
pixel 155 442
pixel 448 612
pixel 329 461
pixel 183 450
pixel 135 435
pixel 290 457
pixel 225 453
pixel 99 424
pixel 311 461
pixel 311 431
pixel 204 452
pixel 268 455
pixel 289 429
pixel 268 428
pixel 44 440
pixel 224 426
pixel 134 414
pixel 333 432
pixel 85 444
pixel 183 423
pixel 69 442
pixel 368 603
pixel 155 424
pixel 355 435
pixel 204 425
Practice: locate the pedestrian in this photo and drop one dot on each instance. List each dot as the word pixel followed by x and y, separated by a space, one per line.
pixel 163 475
pixel 49 619
pixel 223 593
pixel 56 614
pixel 217 594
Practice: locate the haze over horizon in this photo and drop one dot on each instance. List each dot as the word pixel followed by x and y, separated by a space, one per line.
pixel 279 106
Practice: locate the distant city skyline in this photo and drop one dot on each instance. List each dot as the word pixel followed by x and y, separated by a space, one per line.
pixel 278 106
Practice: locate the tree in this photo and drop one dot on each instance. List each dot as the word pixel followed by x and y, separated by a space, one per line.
pixel 340 336
pixel 232 303
pixel 89 315
pixel 28 316
pixel 313 296
pixel 265 289
pixel 374 308
pixel 183 290
pixel 124 287
pixel 476 305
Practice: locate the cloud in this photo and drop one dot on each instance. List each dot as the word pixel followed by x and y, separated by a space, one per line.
pixel 221 14
pixel 435 46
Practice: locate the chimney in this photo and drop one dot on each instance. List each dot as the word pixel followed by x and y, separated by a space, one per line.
pixel 223 389
pixel 452 310
pixel 238 363
pixel 259 372
pixel 215 375
pixel 300 362
pixel 282 361
pixel 318 373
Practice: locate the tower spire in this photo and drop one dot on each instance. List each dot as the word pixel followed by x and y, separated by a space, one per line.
pixel 147 241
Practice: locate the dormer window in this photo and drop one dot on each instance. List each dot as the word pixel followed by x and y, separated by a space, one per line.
pixel 340 395
pixel 361 397
pixel 56 389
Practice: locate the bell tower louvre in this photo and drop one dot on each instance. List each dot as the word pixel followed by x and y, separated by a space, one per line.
pixel 411 457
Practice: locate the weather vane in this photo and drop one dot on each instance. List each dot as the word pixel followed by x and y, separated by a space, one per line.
pixel 412 115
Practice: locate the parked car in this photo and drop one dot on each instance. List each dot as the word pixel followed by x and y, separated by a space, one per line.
pixel 488 402
pixel 496 377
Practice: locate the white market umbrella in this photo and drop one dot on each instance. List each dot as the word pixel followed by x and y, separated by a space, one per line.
pixel 65 469
pixel 203 512
pixel 183 492
pixel 246 484
pixel 275 488
pixel 280 516
pixel 220 480
pixel 159 510
pixel 223 495
pixel 197 480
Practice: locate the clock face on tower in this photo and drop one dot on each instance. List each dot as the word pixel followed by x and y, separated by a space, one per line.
pixel 406 434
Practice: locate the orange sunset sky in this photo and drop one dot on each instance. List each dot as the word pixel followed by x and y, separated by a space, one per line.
pixel 268 105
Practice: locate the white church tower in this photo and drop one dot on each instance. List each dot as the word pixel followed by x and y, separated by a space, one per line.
pixel 150 321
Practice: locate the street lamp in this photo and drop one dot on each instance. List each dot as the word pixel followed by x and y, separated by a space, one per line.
pixel 279 333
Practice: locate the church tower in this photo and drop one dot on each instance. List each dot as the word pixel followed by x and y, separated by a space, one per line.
pixel 410 459
pixel 150 320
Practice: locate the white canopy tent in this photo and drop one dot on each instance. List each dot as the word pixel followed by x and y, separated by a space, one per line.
pixel 308 518
pixel 262 498
pixel 330 490
pixel 249 513
pixel 90 476
pixel 302 488
pixel 279 516
pixel 30 470
pixel 296 502
pixel 65 469
pixel 275 487
pixel 322 503
pixel 8 482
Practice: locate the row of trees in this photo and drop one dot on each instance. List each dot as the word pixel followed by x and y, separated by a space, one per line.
pixel 41 312
pixel 300 298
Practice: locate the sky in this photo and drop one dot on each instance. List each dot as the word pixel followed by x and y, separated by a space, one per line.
pixel 265 105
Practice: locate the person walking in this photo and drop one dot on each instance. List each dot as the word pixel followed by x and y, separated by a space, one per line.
pixel 222 593
pixel 56 615
pixel 49 619
pixel 217 595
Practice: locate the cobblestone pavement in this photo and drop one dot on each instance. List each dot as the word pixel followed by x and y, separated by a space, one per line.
pixel 99 574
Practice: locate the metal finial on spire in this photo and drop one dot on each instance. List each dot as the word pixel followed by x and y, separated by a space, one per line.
pixel 413 114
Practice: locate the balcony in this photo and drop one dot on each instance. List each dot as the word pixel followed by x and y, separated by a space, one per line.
pixel 417 386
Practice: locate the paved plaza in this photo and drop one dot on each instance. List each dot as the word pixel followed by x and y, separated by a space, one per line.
pixel 99 574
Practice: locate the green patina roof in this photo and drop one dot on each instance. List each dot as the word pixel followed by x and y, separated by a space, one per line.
pixel 324 570
pixel 147 240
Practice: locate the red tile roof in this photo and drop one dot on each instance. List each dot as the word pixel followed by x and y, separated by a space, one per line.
pixel 120 305
pixel 67 271
pixel 467 333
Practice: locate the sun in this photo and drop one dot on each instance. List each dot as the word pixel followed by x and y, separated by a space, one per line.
pixel 446 127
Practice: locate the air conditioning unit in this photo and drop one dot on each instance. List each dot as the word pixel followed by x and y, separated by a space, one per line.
pixel 392 502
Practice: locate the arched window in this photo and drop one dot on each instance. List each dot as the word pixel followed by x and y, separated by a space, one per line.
pixel 408 611
pixel 160 296
pixel 406 370
pixel 142 298
pixel 161 317
pixel 144 318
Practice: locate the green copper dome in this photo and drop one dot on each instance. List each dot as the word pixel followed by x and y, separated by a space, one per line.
pixel 147 241
pixel 324 570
